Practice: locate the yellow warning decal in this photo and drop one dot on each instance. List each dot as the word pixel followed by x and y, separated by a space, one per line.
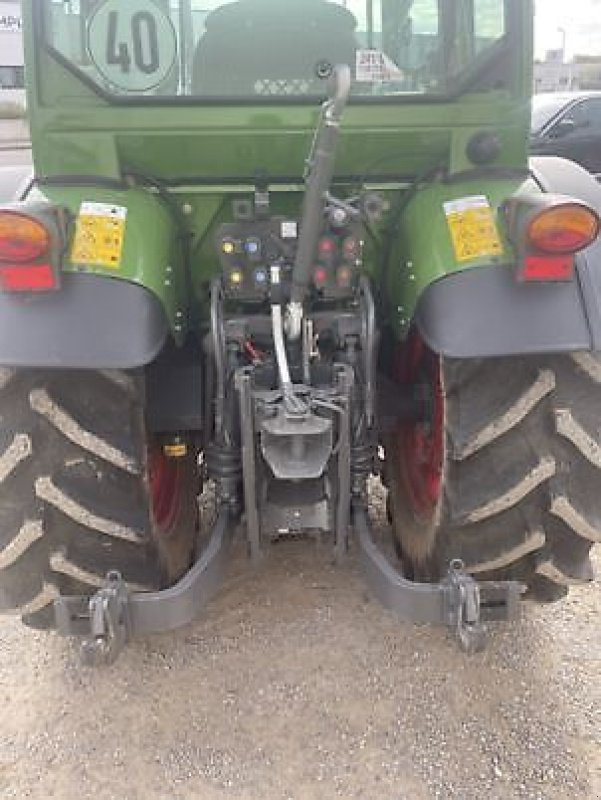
pixel 99 235
pixel 473 228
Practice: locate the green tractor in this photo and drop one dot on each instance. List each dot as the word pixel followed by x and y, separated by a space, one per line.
pixel 281 247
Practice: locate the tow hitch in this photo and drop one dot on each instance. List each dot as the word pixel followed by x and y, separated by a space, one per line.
pixel 114 615
pixel 458 601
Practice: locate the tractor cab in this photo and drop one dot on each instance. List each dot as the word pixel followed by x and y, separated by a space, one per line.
pixel 250 49
pixel 232 89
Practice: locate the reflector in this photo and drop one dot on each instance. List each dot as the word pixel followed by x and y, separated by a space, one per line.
pixel 27 278
pixel 548 268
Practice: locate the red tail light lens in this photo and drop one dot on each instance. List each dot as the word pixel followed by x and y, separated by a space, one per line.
pixel 27 278
pixel 563 229
pixel 22 238
pixel 548 268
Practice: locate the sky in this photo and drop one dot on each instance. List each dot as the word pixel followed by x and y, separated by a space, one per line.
pixel 581 20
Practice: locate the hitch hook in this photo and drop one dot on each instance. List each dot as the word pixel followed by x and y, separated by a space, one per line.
pixel 463 608
pixel 109 628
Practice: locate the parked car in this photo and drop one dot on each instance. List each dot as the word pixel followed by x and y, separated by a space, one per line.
pixel 568 124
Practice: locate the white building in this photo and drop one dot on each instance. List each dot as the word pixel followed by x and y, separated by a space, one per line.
pixel 555 75
pixel 12 78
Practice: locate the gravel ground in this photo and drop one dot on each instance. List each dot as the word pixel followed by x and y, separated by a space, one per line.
pixel 295 684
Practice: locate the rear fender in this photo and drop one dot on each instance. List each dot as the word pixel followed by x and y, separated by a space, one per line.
pixel 424 252
pixel 484 311
pixel 487 312
pixel 103 316
pixel 92 322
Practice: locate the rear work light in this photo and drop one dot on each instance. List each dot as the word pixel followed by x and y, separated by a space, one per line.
pixel 22 238
pixel 563 229
pixel 31 241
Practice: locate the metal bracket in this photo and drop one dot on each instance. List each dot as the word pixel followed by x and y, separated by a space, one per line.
pixel 346 380
pixel 458 601
pixel 114 615
pixel 462 594
pixel 247 431
pixel 109 630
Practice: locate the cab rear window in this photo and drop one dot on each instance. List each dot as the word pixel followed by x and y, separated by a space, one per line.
pixel 272 48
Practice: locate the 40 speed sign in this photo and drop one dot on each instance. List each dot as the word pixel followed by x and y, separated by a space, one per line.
pixel 133 45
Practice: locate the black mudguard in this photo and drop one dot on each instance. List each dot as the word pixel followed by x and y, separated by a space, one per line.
pixel 92 322
pixel 487 312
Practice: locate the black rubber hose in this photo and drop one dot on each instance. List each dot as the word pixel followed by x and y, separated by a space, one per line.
pixel 321 170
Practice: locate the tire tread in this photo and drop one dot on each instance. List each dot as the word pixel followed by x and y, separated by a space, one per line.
pixel 53 539
pixel 521 477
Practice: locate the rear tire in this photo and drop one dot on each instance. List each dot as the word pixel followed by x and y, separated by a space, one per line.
pixel 519 468
pixel 75 493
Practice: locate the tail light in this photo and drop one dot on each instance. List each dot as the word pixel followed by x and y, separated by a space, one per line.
pixel 547 231
pixel 29 248
pixel 548 268
pixel 27 278
pixel 21 237
pixel 564 229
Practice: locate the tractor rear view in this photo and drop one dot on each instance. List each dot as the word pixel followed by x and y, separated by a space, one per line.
pixel 281 248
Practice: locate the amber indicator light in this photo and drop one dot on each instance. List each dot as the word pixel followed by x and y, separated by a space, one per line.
pixel 22 238
pixel 563 229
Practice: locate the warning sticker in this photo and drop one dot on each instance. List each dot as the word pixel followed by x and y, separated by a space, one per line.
pixel 99 235
pixel 289 230
pixel 374 66
pixel 473 228
pixel 132 44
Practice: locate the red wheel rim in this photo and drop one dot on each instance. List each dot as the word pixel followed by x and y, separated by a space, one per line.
pixel 166 476
pixel 421 444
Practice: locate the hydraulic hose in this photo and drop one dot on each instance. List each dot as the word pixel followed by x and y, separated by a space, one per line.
pixel 218 354
pixel 277 325
pixel 320 171
pixel 293 404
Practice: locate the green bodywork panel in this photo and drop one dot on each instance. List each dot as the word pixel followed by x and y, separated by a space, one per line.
pixel 424 250
pixel 151 254
pixel 210 153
